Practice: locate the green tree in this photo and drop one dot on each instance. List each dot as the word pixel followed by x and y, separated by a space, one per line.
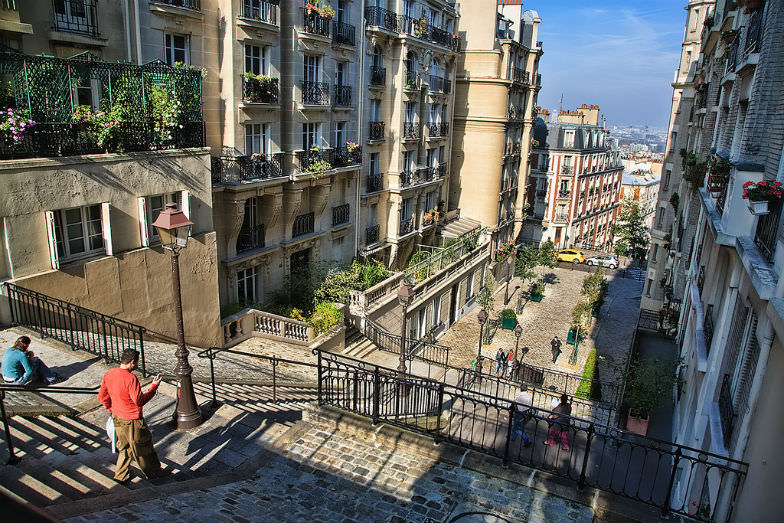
pixel 485 295
pixel 525 263
pixel 630 230
pixel 546 257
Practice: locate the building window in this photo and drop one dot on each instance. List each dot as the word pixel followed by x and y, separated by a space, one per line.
pixel 155 204
pixel 568 138
pixel 255 59
pixel 247 284
pixel 176 48
pixel 408 160
pixel 410 112
pixel 255 138
pixel 373 165
pixel 78 232
pixel 340 134
pixel 430 200
pixel 311 68
pixel 310 135
pixel 470 287
pixel 648 284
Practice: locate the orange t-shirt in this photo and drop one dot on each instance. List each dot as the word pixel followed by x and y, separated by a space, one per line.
pixel 122 394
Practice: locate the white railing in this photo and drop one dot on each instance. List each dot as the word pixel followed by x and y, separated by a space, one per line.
pixel 242 325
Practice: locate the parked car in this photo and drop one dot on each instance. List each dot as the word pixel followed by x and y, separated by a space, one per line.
pixel 605 260
pixel 569 255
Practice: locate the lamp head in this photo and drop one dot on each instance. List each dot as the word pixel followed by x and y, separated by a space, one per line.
pixel 482 316
pixel 173 227
pixel 405 294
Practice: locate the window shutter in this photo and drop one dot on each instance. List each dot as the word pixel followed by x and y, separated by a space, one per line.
pixel 185 207
pixel 106 225
pixel 52 234
pixel 143 226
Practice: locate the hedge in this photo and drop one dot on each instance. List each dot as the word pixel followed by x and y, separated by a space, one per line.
pixel 590 387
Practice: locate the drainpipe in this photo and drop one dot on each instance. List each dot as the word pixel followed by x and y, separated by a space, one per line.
pixel 360 120
pixel 138 35
pixel 127 24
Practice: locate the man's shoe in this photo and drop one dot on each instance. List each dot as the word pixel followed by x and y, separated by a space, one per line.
pixel 57 379
pixel 123 482
pixel 162 474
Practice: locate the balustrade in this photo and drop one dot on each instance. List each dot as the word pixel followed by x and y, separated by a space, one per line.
pixel 251 238
pixel 342 95
pixel 371 234
pixel 378 76
pixel 406 225
pixel 259 90
pixel 374 183
pixel 260 10
pixel 315 24
pixel 410 131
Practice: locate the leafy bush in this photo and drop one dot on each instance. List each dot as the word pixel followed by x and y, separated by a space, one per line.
pixel 338 283
pixel 648 383
pixel 590 387
pixel 508 314
pixel 485 295
pixel 325 316
pixel 537 288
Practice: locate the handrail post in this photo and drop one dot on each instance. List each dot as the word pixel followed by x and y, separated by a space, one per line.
pixel 274 379
pixel 320 375
pixel 376 394
pixel 141 351
pixel 13 459
pixel 212 376
pixel 356 389
pixel 437 435
pixel 581 482
pixel 512 410
pixel 666 507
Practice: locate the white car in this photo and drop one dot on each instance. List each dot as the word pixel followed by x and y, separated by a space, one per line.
pixel 605 260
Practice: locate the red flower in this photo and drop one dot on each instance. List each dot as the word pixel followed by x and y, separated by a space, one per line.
pixel 762 183
pixel 778 184
pixel 748 184
pixel 778 193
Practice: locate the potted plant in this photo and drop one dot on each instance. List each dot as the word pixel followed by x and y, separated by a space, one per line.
pixel 648 383
pixel 537 291
pixel 420 29
pixel 719 175
pixel 311 9
pixel 759 194
pixel 327 13
pixel 350 146
pixel 508 319
pixel 15 123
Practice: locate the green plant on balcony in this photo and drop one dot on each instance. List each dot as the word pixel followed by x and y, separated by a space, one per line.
pixel 417 262
pixel 504 250
pixel 351 146
pixel 318 167
pixel 675 200
pixel 327 12
pixel 260 88
pixel 98 124
pixel 420 29
pixel 325 316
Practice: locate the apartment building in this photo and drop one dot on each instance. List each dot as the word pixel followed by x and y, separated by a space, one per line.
pixel 80 193
pixel 497 86
pixel 575 182
pixel 726 257
pixel 642 186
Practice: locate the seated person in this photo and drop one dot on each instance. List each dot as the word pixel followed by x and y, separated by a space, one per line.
pixel 20 366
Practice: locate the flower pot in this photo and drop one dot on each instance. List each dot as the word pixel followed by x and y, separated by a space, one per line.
pixel 508 323
pixel 637 425
pixel 536 297
pixel 759 208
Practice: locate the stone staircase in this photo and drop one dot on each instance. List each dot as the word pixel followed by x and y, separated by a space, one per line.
pixel 357 345
pixel 459 227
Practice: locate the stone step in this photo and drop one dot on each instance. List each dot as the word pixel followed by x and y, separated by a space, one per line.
pixel 360 349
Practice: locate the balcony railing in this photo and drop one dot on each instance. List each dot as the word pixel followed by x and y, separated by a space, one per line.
pixel 260 10
pixel 512 149
pixel 520 75
pixel 76 16
pixel 342 95
pixel 374 183
pixel 314 24
pixel 237 169
pixel 406 178
pixel 516 113
pixel 343 33
pixel 433 130
pixel 726 410
pixel 443 128
pixel 427 174
pixel 442 170
pixel 260 91
pixel 376 131
pixel 340 214
pixel 436 84
pixel 337 157
pixel 410 131
pixel 406 226
pixel 561 217
pixel 753 33
pixel 315 93
pixel 412 80
pixel 767 227
pixel 732 55
pixel 567 169
pixel 564 193
pixel 378 76
pixel 187 4
pixel 380 17
pixel 303 224
pixel 371 234
pixel 250 238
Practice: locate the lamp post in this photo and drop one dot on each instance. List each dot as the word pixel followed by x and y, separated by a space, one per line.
pixel 173 228
pixel 482 317
pixel 405 295
pixel 508 279
pixel 518 330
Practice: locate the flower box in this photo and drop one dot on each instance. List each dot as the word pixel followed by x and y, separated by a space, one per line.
pixel 759 194
pixel 759 208
pixel 536 297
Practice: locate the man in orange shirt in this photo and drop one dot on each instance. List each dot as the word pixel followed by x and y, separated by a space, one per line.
pixel 122 395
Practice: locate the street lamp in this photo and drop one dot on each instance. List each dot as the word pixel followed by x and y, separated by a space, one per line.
pixel 405 295
pixel 508 278
pixel 173 228
pixel 482 317
pixel 518 330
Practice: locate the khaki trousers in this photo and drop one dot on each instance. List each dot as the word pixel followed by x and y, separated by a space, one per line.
pixel 134 441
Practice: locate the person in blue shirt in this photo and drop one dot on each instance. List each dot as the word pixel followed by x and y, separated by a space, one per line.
pixel 20 367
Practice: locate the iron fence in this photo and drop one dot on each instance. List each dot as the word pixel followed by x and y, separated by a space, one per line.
pixel 406 178
pixel 378 76
pixel 412 80
pixel 303 224
pixel 372 234
pixel 342 95
pixel 237 169
pixel 340 214
pixel 753 33
pixel 260 10
pixel 665 475
pixel 433 130
pixel 79 327
pixel 315 93
pixel 264 91
pixel 315 24
pixel 343 33
pixel 732 55
pixel 336 157
pixel 442 170
pixel 767 227
pixel 376 131
pixel 374 183
pixel 380 17
pixel 250 238
pixel 431 353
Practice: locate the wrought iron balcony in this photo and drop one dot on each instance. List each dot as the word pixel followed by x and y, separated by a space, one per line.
pixel 76 16
pixel 412 80
pixel 374 183
pixel 767 227
pixel 376 131
pixel 406 178
pixel 259 90
pixel 410 131
pixel 433 130
pixel 315 24
pixel 380 17
pixel 732 55
pixel 406 225
pixel 187 4
pixel 340 214
pixel 442 170
pixel 538 79
pixel 427 174
pixel 260 10
pixel 564 193
pixel 342 95
pixel 520 75
pixel 753 33
pixel 567 169
pixel 512 149
pixel 238 169
pixel 315 93
pixel 371 234
pixel 343 33
pixel 443 128
pixel 303 224
pixel 561 217
pixel 337 157
pixel 378 76
pixel 436 84
pixel 250 238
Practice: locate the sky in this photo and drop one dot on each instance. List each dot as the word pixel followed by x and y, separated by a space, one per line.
pixel 618 54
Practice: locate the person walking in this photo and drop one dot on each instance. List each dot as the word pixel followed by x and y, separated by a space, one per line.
pixel 559 427
pixel 21 366
pixel 122 395
pixel 523 403
pixel 555 344
pixel 500 358
pixel 509 365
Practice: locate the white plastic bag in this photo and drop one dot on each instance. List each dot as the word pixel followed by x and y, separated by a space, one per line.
pixel 110 433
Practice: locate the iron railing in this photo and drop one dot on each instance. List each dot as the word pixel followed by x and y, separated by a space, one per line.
pixel 255 90
pixel 662 474
pixel 195 5
pixel 237 169
pixel 374 183
pixel 376 131
pixel 378 76
pixel 433 130
pixel 406 226
pixel 412 80
pixel 767 229
pixel 342 95
pixel 303 224
pixel 410 131
pixel 314 24
pixel 315 93
pixel 415 349
pixel 732 55
pixel 436 84
pixel 520 75
pixel 343 33
pixel 443 128
pixel 564 193
pixel 406 178
pixel 337 157
pixel 380 17
pixel 340 214
pixel 251 238
pixel 76 16
pixel 260 10
pixel 442 170
pixel 81 328
pixel 372 234
pixel 753 33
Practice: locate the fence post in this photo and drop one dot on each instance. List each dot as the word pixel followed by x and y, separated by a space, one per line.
pixel 581 482
pixel 38 317
pixel 320 399
pixel 666 507
pixel 437 435
pixel 512 410
pixel 376 394
pixel 212 376
pixel 356 389
pixel 12 458
pixel 11 309
pixel 144 363
pixel 274 379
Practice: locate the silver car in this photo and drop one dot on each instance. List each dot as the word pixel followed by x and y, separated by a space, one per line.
pixel 605 260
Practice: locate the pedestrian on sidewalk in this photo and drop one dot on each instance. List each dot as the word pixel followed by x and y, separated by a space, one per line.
pixel 559 427
pixel 21 366
pixel 555 344
pixel 522 413
pixel 122 395
pixel 500 358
